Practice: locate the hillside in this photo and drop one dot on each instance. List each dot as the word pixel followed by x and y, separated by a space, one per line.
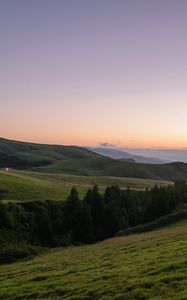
pixel 104 166
pixel 24 155
pixel 79 161
pixel 27 186
pixel 147 266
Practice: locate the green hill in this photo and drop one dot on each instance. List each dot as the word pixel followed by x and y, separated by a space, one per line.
pixel 79 161
pixel 149 266
pixel 103 166
pixel 27 186
pixel 22 154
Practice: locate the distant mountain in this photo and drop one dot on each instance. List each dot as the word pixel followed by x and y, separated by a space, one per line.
pixel 123 155
pixel 80 161
pixel 164 154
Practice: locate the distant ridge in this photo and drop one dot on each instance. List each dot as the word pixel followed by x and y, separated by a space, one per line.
pixel 119 154
pixel 80 161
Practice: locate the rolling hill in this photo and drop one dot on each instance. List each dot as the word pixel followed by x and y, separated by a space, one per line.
pixel 31 186
pixel 79 161
pixel 30 154
pixel 149 266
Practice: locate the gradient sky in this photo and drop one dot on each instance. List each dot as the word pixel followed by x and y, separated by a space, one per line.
pixel 86 72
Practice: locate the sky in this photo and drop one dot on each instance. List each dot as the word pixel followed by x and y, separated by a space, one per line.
pixel 86 72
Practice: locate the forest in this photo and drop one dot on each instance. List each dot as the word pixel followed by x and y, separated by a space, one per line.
pixel 94 218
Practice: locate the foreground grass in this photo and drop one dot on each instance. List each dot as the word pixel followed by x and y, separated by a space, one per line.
pixel 22 186
pixel 145 266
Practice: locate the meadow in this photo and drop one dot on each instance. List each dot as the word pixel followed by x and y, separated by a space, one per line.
pixel 29 186
pixel 145 266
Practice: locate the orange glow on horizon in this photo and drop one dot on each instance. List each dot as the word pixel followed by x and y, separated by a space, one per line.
pixel 84 141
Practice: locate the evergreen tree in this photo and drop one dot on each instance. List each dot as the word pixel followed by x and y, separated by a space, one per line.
pixel 82 228
pixel 97 208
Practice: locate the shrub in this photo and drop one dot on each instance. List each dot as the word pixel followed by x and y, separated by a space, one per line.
pixel 10 253
pixel 163 221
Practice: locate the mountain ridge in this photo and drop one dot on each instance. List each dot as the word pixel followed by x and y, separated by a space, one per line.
pixel 120 154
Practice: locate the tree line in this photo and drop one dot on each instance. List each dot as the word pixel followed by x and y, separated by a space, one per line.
pixel 95 217
pixel 12 161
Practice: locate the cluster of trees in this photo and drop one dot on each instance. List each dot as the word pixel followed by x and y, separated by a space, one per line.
pixel 11 161
pixel 96 217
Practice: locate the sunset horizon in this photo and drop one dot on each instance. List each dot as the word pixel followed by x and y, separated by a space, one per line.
pixel 85 73
pixel 96 144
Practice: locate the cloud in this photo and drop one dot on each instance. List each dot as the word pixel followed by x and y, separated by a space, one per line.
pixel 106 144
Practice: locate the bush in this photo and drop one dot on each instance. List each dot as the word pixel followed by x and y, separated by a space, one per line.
pixel 163 221
pixel 10 253
pixel 6 220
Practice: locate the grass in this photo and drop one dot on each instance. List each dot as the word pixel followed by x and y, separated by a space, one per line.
pixel 105 166
pixel 146 266
pixel 26 186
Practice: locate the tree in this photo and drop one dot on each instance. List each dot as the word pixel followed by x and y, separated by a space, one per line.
pixel 72 206
pixel 82 226
pixel 97 208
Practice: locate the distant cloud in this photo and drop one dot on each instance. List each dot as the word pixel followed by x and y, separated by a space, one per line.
pixel 106 144
pixel 168 148
pixel 158 147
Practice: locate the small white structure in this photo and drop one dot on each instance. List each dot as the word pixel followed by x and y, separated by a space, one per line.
pixel 5 169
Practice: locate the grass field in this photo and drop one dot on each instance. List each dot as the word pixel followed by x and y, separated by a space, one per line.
pixel 26 186
pixel 146 266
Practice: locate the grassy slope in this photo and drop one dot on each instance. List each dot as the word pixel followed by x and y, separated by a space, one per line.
pixel 37 151
pixel 79 161
pixel 103 166
pixel 41 186
pixel 145 266
pixel 22 155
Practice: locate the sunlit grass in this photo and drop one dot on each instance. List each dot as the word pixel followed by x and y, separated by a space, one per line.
pixel 24 186
pixel 145 266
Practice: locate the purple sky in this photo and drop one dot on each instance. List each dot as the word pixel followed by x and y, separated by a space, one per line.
pixel 86 72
